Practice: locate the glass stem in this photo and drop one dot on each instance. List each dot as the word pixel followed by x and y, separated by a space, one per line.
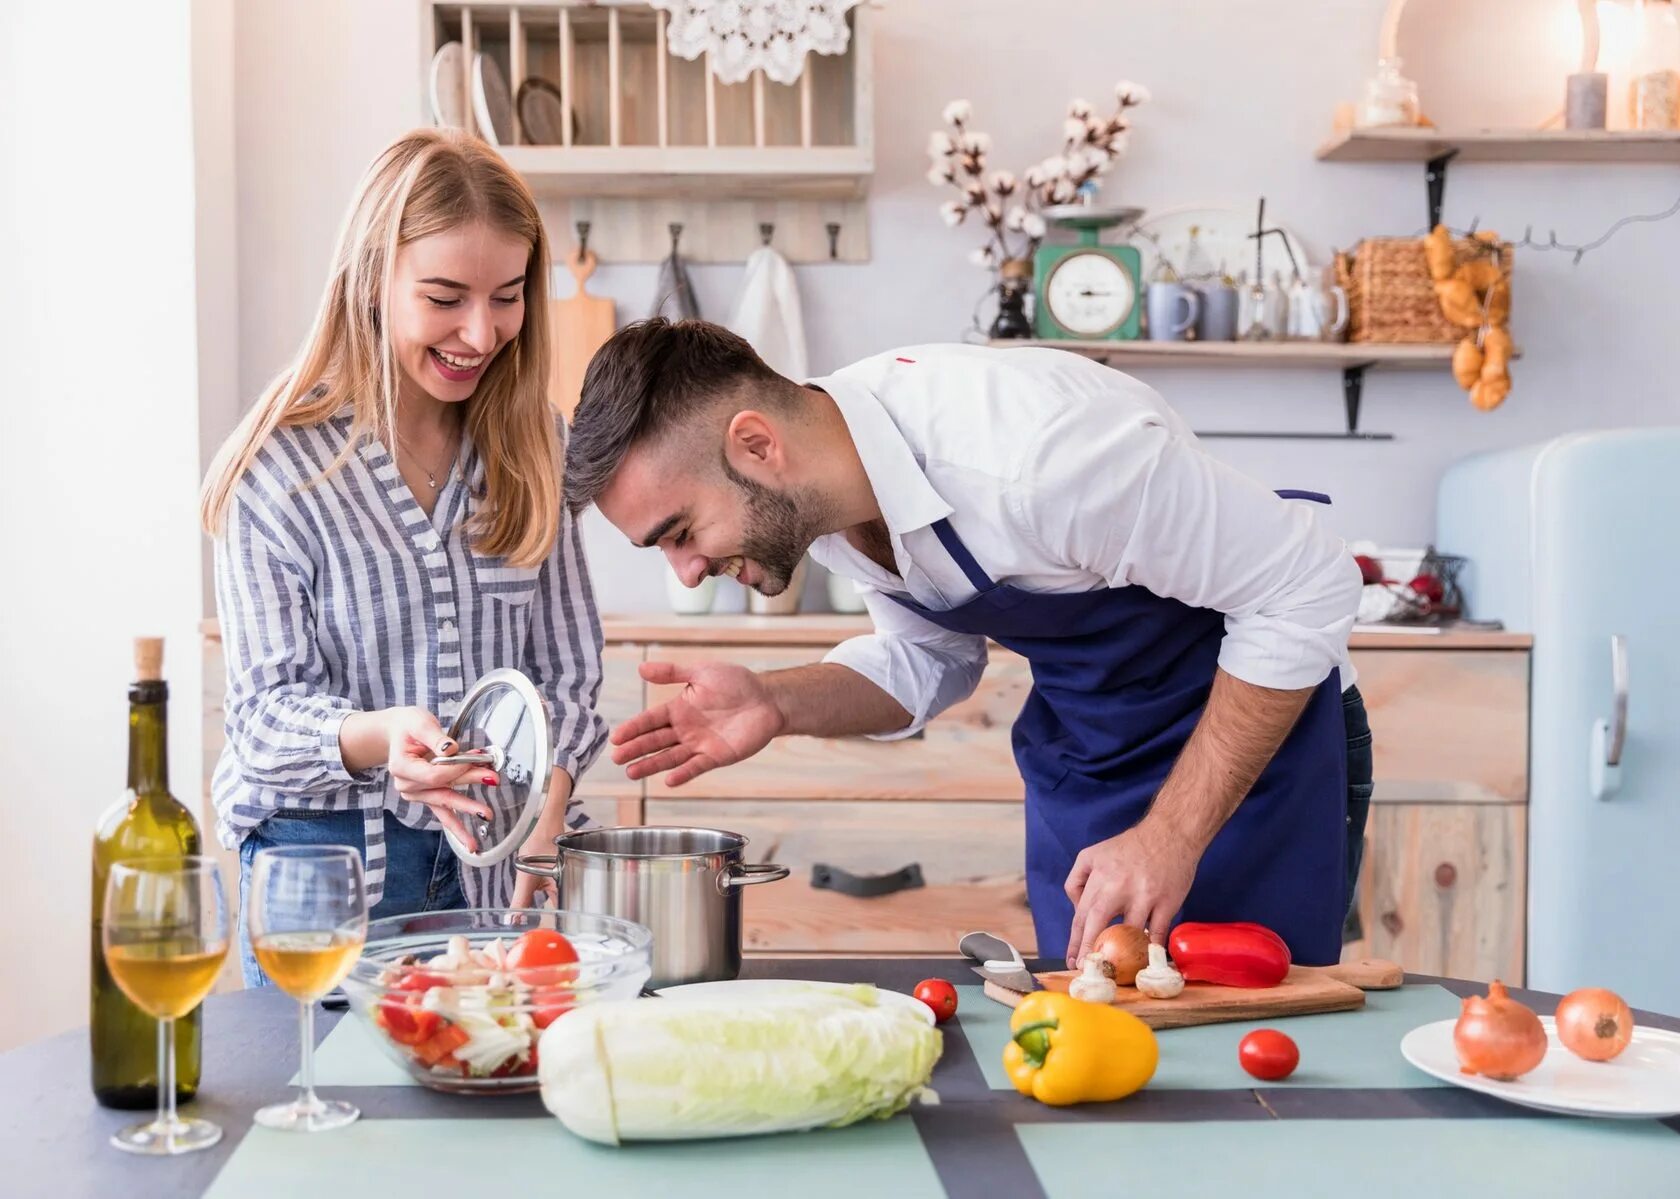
pixel 166 1079
pixel 306 1069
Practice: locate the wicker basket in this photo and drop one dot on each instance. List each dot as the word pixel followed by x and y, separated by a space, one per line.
pixel 1391 298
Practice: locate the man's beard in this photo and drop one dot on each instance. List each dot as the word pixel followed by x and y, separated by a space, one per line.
pixel 777 530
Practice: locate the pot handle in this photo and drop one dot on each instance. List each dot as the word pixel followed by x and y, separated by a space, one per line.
pixel 543 865
pixel 745 874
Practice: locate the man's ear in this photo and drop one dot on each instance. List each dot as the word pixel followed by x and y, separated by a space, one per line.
pixel 752 444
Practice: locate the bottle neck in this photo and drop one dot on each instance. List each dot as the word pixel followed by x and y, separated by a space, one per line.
pixel 148 738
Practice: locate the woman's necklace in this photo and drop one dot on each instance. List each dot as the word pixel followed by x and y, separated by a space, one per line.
pixel 431 475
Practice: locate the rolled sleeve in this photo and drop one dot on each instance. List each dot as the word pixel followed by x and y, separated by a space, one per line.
pixel 923 667
pixel 283 727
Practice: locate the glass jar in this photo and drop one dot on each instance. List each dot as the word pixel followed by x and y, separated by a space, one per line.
pixel 1390 98
pixel 1654 67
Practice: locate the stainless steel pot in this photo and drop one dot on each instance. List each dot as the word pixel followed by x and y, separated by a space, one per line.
pixel 682 883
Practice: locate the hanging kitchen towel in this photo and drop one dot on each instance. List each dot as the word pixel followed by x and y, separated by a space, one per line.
pixel 674 297
pixel 768 313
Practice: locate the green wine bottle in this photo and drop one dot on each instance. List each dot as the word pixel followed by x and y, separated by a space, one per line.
pixel 146 822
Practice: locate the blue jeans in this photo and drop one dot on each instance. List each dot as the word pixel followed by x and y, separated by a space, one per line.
pixel 421 873
pixel 1359 780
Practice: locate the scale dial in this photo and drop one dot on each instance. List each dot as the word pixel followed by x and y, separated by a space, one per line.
pixel 1089 294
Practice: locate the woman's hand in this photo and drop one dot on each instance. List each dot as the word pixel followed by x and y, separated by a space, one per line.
pixel 530 890
pixel 412 738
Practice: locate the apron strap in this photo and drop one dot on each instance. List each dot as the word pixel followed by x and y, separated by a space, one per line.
pixel 1317 497
pixel 959 554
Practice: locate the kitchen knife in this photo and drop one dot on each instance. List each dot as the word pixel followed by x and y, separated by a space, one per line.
pixel 997 961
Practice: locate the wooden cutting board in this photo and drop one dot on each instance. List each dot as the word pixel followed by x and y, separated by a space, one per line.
pixel 1305 991
pixel 578 326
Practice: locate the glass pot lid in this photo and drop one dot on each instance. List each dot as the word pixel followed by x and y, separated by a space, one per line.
pixel 503 725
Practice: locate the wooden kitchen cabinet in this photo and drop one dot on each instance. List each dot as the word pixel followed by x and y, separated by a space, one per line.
pixel 1443 889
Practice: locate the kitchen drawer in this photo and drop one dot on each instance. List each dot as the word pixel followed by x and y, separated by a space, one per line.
pixel 1447 726
pixel 970 855
pixel 963 754
pixel 1444 889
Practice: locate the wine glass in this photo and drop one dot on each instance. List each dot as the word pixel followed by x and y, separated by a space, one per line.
pixel 308 921
pixel 166 935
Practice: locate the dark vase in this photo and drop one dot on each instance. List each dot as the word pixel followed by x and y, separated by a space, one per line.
pixel 1013 285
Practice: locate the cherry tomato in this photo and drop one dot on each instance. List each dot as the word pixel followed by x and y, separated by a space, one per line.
pixel 940 996
pixel 548 1004
pixel 1266 1053
pixel 540 957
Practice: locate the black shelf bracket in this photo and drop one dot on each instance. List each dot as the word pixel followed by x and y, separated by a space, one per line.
pixel 1353 390
pixel 1435 182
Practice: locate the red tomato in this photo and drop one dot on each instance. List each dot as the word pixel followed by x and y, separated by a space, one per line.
pixel 540 957
pixel 1266 1053
pixel 549 1004
pixel 405 1023
pixel 419 980
pixel 940 996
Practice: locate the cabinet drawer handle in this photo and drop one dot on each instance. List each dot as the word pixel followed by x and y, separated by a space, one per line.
pixel 866 886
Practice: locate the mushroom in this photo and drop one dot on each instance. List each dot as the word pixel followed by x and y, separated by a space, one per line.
pixel 1095 983
pixel 1159 979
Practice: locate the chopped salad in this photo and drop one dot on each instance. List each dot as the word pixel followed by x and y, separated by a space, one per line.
pixel 476 1013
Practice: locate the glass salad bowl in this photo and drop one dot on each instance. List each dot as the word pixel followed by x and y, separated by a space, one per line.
pixel 459 999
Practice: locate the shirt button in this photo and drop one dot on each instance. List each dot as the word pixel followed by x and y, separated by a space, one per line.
pixel 447 626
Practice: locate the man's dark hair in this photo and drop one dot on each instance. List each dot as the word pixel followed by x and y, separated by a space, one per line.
pixel 650 377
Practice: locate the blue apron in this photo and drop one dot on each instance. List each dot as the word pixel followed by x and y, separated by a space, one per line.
pixel 1120 676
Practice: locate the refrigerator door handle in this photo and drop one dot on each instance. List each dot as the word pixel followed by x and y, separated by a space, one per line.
pixel 1609 737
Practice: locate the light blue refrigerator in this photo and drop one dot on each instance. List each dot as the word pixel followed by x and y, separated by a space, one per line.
pixel 1577 541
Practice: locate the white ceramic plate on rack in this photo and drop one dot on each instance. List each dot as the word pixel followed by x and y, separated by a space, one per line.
pixel 1222 233
pixel 448 84
pixel 491 102
pixel 1640 1083
pixel 745 989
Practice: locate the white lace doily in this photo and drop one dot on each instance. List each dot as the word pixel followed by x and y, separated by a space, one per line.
pixel 745 35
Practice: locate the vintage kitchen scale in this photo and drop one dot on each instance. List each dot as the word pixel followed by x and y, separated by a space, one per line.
pixel 1090 290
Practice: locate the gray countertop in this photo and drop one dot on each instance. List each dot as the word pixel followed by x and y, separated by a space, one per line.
pixel 53 1134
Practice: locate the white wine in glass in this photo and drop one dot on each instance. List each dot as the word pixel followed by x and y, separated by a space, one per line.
pixel 308 920
pixel 165 936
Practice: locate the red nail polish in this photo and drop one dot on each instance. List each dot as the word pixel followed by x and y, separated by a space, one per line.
pixel 488 780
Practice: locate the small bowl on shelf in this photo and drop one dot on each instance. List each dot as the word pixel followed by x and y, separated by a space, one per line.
pixel 458 999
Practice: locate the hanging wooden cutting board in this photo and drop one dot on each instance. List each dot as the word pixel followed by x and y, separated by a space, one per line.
pixel 578 326
pixel 1306 990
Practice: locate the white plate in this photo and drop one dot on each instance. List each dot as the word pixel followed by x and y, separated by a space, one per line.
pixel 449 86
pixel 1222 233
pixel 491 102
pixel 1640 1083
pixel 746 988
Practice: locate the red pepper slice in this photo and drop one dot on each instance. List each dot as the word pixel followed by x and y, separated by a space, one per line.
pixel 1237 954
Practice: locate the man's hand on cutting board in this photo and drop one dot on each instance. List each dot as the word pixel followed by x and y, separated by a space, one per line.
pixel 1143 875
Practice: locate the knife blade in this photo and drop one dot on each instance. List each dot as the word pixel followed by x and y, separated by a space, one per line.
pixel 1020 981
pixel 997 961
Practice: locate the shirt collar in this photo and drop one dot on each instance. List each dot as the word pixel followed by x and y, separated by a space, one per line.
pixel 906 498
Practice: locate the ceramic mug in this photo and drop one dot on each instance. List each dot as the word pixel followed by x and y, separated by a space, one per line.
pixel 1217 320
pixel 690 601
pixel 1165 300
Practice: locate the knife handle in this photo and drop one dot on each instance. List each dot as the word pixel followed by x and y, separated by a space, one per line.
pixel 1368 974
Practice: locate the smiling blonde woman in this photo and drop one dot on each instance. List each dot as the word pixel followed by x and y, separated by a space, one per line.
pixel 388 529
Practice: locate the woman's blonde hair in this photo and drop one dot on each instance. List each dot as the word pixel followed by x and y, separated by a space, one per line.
pixel 428 181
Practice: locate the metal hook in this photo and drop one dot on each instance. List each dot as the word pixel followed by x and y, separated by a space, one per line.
pixel 583 238
pixel 676 235
pixel 834 239
pixel 766 231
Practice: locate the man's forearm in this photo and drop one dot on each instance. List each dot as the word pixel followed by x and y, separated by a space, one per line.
pixel 828 700
pixel 1240 731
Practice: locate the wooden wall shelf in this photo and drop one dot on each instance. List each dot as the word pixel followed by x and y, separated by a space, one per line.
pixel 1503 145
pixel 637 139
pixel 1353 360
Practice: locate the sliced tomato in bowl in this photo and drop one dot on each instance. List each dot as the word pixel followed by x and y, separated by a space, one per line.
pixel 406 1023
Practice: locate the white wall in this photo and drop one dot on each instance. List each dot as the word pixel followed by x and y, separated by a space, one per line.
pixel 99 455
pixel 1244 90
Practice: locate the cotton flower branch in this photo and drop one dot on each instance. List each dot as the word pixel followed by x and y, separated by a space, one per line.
pixel 1006 204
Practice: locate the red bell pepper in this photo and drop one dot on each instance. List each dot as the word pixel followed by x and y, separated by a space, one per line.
pixel 1231 955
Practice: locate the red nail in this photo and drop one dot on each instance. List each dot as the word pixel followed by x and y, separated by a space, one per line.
pixel 488 780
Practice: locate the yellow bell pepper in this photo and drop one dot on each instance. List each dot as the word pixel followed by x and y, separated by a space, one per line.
pixel 1065 1050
